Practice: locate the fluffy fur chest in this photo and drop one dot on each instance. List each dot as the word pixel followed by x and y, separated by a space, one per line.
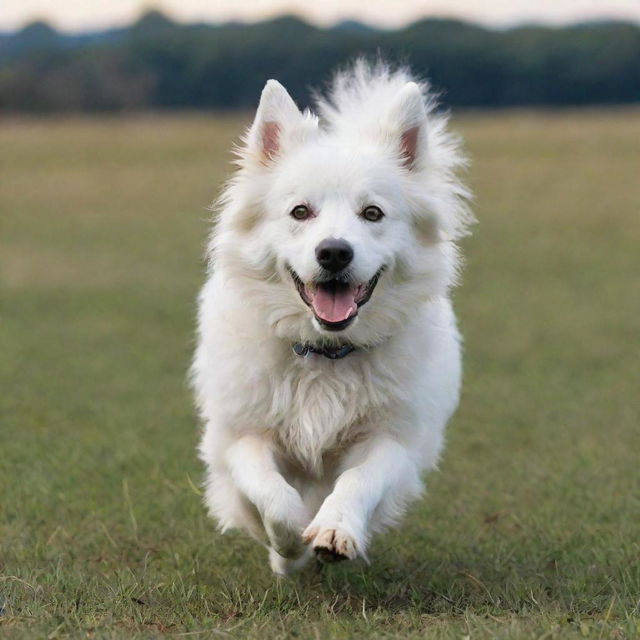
pixel 320 405
pixel 313 405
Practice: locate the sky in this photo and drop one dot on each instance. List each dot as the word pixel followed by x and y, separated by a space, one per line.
pixel 78 15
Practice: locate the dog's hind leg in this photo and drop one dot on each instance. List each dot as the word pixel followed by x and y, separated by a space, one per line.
pixel 379 477
pixel 253 469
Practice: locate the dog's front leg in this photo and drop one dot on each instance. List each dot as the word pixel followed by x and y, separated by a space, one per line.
pixel 380 476
pixel 253 469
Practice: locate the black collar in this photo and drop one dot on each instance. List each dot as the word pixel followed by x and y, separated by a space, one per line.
pixel 333 353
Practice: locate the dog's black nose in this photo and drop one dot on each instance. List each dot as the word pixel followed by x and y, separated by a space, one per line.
pixel 334 254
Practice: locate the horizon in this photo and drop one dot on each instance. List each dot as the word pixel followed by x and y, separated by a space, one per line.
pixel 492 27
pixel 65 17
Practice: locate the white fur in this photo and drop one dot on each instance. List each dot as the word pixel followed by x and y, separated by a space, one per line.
pixel 307 450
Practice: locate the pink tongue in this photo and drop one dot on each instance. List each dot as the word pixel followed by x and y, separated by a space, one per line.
pixel 334 307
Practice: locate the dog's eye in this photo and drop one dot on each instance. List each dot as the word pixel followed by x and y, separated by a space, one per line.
pixel 372 213
pixel 300 212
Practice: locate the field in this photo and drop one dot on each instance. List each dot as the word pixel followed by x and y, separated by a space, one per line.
pixel 531 527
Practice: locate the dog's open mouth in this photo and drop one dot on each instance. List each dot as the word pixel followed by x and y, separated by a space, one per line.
pixel 335 302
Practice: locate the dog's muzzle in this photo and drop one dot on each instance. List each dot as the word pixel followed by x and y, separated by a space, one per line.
pixel 335 300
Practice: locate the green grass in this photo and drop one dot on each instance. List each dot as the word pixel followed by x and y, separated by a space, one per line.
pixel 530 529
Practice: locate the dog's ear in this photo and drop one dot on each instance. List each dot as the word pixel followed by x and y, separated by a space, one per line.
pixel 408 118
pixel 276 117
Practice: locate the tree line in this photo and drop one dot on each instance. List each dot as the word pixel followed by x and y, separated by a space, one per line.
pixel 158 64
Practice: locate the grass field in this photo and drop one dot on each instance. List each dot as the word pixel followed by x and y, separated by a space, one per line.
pixel 531 528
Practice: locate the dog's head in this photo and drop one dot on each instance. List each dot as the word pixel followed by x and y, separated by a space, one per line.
pixel 357 209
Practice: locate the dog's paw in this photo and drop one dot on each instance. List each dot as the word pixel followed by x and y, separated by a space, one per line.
pixel 283 520
pixel 284 538
pixel 282 566
pixel 331 545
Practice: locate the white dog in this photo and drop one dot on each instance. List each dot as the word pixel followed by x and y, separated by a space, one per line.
pixel 328 360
